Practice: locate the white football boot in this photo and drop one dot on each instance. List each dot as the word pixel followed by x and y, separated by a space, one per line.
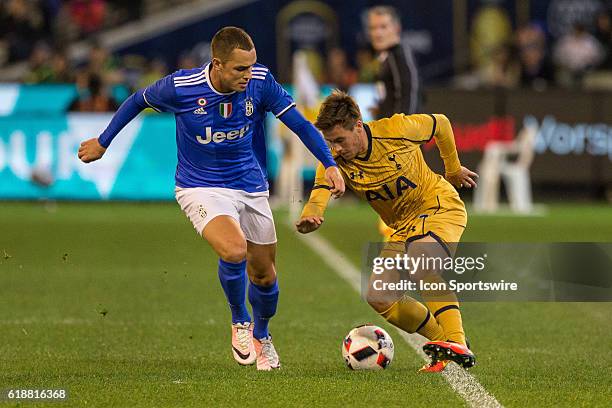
pixel 267 357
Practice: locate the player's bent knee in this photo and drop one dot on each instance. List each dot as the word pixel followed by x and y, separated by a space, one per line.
pixel 264 279
pixel 224 235
pixel 378 302
pixel 380 307
pixel 260 264
pixel 261 273
pixel 232 252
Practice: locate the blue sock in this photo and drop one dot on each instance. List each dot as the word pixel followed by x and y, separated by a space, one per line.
pixel 264 300
pixel 234 279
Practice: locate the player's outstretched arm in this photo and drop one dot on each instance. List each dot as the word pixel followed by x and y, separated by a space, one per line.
pixel 456 174
pixel 312 214
pixel 421 128
pixel 93 149
pixel 276 100
pixel 313 140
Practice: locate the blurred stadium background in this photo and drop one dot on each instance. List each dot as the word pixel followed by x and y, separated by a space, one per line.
pixel 105 289
pixel 488 65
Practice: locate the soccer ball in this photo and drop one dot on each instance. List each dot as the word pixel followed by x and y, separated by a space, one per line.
pixel 367 347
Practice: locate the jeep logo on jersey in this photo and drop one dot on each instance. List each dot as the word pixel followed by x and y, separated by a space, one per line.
pixel 225 109
pixel 218 137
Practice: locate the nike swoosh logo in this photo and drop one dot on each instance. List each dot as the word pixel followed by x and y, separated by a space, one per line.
pixel 242 356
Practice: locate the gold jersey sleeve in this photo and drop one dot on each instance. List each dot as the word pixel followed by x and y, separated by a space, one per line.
pixel 319 196
pixel 419 129
pixel 393 176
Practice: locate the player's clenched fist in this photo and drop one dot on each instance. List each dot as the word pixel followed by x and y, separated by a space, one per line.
pixel 334 178
pixel 309 224
pixel 91 150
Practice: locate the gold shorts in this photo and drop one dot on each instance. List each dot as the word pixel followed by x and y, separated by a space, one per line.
pixel 444 222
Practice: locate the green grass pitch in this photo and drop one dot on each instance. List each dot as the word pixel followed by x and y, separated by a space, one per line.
pixel 120 305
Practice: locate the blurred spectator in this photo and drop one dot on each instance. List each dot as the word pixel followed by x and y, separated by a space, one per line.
pixel 537 70
pixel 398 76
pixel 21 26
pixel 89 15
pixel 316 63
pixel 490 34
pixel 4 51
pixel 77 19
pixel 156 69
pixel 39 65
pixel 64 29
pixel 105 65
pixel 187 61
pixel 339 72
pixel 132 68
pixel 575 54
pixel 503 70
pixel 61 70
pixel 367 65
pixel 125 10
pixel 24 23
pixel 93 95
pixel 603 34
pixel 49 10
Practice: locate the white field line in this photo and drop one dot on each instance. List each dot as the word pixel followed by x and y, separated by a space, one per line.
pixel 459 379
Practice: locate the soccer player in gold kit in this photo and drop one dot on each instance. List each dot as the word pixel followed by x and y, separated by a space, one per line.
pixel 382 163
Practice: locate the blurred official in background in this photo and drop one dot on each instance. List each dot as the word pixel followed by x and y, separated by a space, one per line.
pixel 398 79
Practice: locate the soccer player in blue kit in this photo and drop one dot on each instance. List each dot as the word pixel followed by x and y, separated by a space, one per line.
pixel 221 181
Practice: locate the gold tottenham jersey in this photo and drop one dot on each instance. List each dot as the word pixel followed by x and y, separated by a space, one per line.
pixel 393 175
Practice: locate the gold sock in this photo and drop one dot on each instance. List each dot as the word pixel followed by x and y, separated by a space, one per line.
pixel 412 316
pixel 447 314
pixel 444 307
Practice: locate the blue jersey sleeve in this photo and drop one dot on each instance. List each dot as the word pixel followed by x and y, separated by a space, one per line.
pixel 161 95
pixel 126 112
pixel 275 99
pixel 309 135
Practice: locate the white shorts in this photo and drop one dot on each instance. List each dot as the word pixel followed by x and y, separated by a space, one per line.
pixel 251 210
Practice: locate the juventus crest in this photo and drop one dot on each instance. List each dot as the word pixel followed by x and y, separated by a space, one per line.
pixel 248 106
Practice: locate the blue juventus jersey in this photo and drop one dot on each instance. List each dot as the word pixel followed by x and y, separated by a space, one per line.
pixel 219 136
